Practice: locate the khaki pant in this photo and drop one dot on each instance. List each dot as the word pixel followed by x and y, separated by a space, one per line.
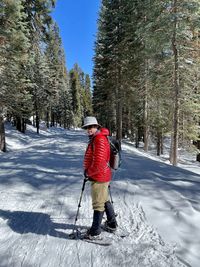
pixel 99 192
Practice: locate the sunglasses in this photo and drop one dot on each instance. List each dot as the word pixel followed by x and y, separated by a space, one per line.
pixel 90 127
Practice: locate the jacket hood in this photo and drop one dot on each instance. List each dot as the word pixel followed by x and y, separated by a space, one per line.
pixel 104 131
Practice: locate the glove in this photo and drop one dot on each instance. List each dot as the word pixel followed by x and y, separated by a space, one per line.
pixel 87 178
pixel 85 174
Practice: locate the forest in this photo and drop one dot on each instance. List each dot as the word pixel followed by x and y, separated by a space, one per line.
pixel 145 77
pixel 34 77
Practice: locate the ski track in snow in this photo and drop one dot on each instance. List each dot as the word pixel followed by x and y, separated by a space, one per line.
pixel 40 186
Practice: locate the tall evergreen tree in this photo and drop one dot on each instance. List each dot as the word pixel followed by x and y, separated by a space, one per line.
pixel 65 99
pixel 140 46
pixel 87 97
pixel 76 89
pixel 17 98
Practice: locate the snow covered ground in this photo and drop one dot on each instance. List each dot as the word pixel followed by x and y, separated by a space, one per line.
pixel 40 184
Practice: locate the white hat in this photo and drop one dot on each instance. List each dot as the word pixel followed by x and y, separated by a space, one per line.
pixel 90 121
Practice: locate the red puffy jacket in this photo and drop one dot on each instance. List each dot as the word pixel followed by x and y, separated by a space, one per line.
pixel 97 157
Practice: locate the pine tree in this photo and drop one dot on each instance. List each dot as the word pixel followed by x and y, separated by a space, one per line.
pixel 76 90
pixel 87 97
pixel 40 24
pixel 140 46
pixel 108 69
pixel 184 21
pixel 57 74
pixel 65 99
pixel 17 98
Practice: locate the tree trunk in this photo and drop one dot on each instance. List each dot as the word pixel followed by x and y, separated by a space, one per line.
pixel 146 126
pixel 171 148
pixel 52 119
pixel 174 157
pixel 47 119
pixel 18 124
pixel 119 119
pixel 23 125
pixel 37 120
pixel 2 135
pixel 158 143
pixel 119 105
pixel 162 145
pixel 64 120
pixel 137 138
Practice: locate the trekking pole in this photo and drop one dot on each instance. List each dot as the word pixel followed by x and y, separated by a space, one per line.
pixel 110 190
pixel 111 199
pixel 72 235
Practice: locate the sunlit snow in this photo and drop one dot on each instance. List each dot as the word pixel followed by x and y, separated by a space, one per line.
pixel 40 184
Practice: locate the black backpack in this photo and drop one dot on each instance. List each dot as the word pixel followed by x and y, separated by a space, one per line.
pixel 115 153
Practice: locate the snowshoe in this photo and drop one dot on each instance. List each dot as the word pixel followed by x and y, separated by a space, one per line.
pixel 111 228
pixel 89 236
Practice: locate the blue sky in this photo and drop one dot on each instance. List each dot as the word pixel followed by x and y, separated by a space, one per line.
pixel 77 20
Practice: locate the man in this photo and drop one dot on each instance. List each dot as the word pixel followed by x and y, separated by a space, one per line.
pixel 97 170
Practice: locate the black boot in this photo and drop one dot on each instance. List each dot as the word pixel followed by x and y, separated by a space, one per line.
pixel 111 223
pixel 95 229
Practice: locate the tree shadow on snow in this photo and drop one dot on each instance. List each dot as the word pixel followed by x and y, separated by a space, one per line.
pixel 23 222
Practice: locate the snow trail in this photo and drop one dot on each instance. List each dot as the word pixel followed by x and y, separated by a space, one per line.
pixel 40 186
